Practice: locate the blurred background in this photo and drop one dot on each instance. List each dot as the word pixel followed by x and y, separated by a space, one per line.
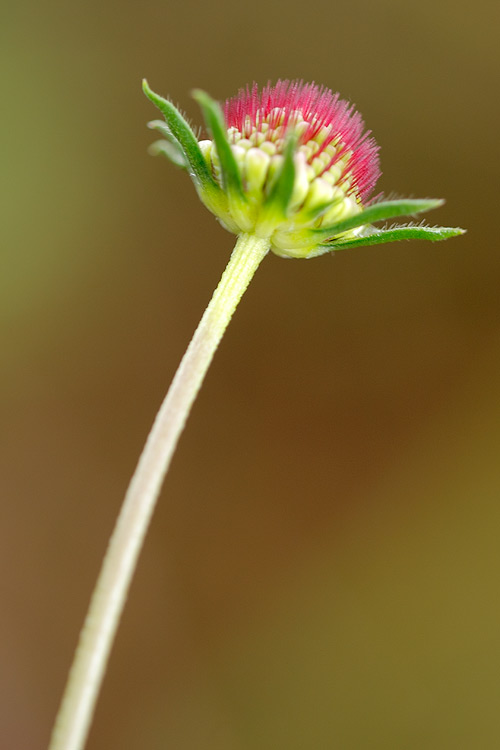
pixel 322 570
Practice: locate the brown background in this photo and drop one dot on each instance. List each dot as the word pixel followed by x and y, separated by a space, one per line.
pixel 323 569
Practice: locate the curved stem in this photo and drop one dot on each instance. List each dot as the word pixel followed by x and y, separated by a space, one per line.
pixel 96 638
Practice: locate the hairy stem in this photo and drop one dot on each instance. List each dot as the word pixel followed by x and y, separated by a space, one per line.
pixel 75 714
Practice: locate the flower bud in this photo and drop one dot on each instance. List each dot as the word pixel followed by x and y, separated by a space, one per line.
pixel 292 164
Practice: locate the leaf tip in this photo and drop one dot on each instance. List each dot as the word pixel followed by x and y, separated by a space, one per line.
pixel 429 204
pixel 149 92
pixel 200 96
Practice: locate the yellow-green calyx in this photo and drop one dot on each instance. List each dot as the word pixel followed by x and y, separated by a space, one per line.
pixel 291 164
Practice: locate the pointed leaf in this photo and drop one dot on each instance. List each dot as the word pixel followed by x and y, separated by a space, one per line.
pixel 393 234
pixel 170 151
pixel 181 133
pixel 379 212
pixel 275 207
pixel 215 123
pixel 170 147
pixel 231 177
pixel 310 215
pixel 162 128
pixel 281 191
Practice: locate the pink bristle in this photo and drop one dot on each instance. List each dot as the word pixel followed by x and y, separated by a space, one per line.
pixel 319 107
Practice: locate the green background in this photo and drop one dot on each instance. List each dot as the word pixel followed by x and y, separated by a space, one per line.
pixel 323 568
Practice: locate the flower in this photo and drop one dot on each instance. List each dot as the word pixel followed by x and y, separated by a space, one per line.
pixel 291 163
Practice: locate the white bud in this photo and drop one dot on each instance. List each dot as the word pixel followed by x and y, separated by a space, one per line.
pixel 301 183
pixel 334 172
pixel 323 134
pixel 300 128
pixel 206 150
pixel 275 165
pixel 239 154
pixel 342 208
pixel 319 193
pixel 276 116
pixel 268 147
pixel 245 143
pixel 256 168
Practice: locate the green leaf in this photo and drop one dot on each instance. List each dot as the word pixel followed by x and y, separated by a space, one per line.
pixel 282 188
pixel 170 151
pixel 379 212
pixel 393 234
pixel 163 128
pixel 275 207
pixel 231 177
pixel 214 119
pixel 170 147
pixel 180 132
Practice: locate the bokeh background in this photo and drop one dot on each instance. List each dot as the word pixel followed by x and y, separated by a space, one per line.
pixel 323 568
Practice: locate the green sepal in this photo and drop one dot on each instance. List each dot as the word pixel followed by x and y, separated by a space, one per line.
pixel 231 177
pixel 164 130
pixel 310 215
pixel 281 190
pixel 275 207
pixel 379 212
pixel 170 151
pixel 181 133
pixel 168 147
pixel 392 234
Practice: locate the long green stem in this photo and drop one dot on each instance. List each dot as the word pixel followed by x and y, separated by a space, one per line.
pixel 75 714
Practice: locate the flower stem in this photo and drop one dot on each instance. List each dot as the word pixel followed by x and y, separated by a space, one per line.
pixel 75 714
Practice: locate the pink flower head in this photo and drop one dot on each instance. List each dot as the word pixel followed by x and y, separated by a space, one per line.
pixel 291 164
pixel 329 129
pixel 334 161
